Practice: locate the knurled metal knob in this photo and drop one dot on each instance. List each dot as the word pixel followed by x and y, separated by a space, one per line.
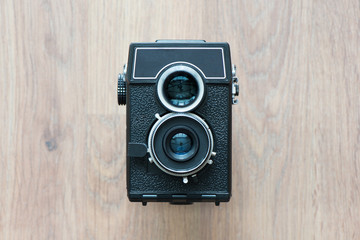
pixel 121 90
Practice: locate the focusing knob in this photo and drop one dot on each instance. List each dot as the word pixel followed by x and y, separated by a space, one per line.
pixel 121 90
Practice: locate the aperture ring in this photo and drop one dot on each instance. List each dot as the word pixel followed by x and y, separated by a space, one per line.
pixel 178 168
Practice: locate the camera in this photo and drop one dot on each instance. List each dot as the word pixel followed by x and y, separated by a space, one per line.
pixel 178 96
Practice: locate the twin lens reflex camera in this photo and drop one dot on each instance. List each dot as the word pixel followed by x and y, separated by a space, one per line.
pixel 178 97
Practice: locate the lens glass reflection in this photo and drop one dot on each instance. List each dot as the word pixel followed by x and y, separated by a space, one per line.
pixel 181 89
pixel 181 144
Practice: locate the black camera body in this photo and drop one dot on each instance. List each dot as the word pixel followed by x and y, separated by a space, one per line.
pixel 178 97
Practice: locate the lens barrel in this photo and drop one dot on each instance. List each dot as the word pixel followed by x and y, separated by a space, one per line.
pixel 180 88
pixel 180 144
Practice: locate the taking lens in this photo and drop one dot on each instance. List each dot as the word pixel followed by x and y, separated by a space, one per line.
pixel 180 89
pixel 180 143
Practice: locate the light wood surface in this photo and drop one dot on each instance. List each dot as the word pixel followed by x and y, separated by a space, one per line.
pixel 296 134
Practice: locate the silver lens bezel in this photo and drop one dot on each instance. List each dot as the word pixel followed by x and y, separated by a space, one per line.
pixel 155 158
pixel 192 72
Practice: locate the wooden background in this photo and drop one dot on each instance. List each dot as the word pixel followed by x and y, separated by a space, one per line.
pixel 296 134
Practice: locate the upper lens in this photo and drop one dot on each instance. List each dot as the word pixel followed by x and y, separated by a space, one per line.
pixel 180 144
pixel 180 89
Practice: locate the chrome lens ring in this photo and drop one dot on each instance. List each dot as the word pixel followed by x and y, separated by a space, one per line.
pixel 178 168
pixel 164 79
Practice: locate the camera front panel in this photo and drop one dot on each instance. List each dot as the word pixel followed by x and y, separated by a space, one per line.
pixel 147 181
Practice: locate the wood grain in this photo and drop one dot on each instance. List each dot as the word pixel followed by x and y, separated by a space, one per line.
pixel 296 130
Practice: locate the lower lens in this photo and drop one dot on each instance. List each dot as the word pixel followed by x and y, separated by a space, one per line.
pixel 180 144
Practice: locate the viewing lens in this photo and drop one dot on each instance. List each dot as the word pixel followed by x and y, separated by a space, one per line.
pixel 181 89
pixel 180 144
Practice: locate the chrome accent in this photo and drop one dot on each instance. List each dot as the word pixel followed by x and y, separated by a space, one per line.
pixel 124 69
pixel 235 85
pixel 233 70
